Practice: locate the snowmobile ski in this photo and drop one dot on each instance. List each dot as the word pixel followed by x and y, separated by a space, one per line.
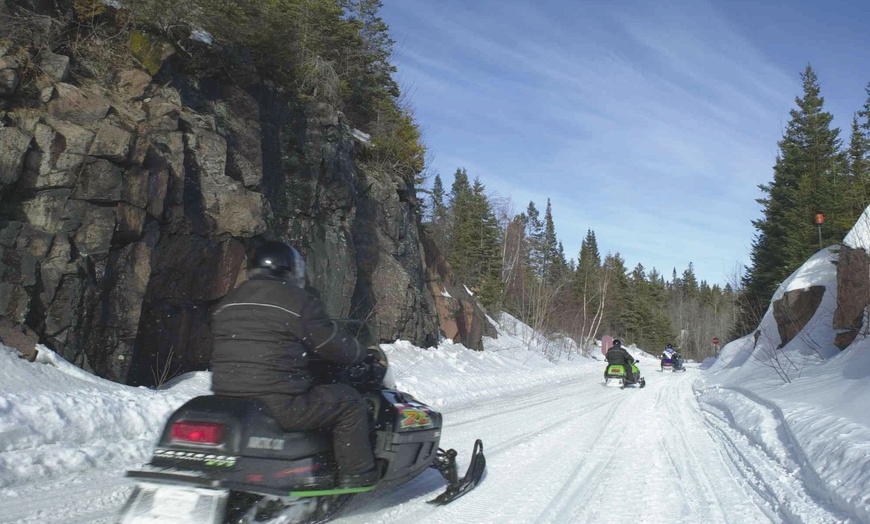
pixel 445 463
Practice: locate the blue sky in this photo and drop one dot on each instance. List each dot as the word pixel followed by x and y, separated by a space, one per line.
pixel 651 123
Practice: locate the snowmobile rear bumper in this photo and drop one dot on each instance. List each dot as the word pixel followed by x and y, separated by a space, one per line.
pixel 152 503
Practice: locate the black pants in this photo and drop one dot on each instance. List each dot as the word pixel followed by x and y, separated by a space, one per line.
pixel 629 374
pixel 336 407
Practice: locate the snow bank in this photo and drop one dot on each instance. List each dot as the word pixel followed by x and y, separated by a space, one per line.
pixel 804 405
pixel 56 419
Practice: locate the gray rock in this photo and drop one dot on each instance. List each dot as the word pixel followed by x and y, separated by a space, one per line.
pixel 73 216
pixel 94 236
pixel 19 337
pixel 9 76
pixel 794 309
pixel 100 181
pixel 46 94
pixel 56 264
pixel 13 145
pixel 111 142
pixel 61 149
pixel 34 241
pixel 130 221
pixel 78 107
pixel 193 268
pixel 133 83
pixel 54 67
pixel 9 233
pixel 167 156
pixel 158 108
pixel 14 301
pixel 26 119
pixel 63 311
pixel 17 267
pixel 135 187
pixel 237 119
pixel 45 209
pixel 853 295
pixel 240 213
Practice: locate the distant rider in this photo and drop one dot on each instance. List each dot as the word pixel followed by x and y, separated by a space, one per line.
pixel 670 354
pixel 617 355
pixel 264 333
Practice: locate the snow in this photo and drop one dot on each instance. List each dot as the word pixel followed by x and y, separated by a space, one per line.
pixel 734 439
pixel 200 35
pixel 365 138
pixel 859 236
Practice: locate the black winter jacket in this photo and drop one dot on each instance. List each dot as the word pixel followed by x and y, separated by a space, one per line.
pixel 619 356
pixel 264 332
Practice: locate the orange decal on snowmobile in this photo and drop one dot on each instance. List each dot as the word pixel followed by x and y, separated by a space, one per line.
pixel 415 418
pixel 296 471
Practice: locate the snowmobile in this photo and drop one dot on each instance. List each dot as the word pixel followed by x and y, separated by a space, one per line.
pixel 671 363
pixel 615 374
pixel 225 460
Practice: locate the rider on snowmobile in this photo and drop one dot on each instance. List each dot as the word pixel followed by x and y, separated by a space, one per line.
pixel 673 355
pixel 617 355
pixel 264 332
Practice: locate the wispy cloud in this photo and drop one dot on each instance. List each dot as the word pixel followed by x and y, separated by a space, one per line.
pixel 650 123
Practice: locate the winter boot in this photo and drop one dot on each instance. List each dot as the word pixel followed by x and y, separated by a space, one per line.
pixel 359 480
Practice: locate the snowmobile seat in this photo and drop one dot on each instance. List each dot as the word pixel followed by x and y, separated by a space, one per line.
pixel 252 431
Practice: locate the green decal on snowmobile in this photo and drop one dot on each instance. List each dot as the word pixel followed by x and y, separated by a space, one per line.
pixel 325 492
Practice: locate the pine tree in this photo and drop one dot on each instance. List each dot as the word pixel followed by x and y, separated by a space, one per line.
pixel 807 177
pixel 486 249
pixel 438 208
pixel 438 214
pixel 585 284
pixel 552 264
pixel 534 240
pixel 460 216
pixel 615 312
pixel 689 282
pixel 819 167
pixel 858 192
pixel 859 161
pixel 475 240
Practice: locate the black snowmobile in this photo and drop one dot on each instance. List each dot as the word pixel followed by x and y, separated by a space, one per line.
pixel 225 460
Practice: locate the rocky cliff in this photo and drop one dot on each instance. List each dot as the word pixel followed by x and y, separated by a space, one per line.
pixel 130 196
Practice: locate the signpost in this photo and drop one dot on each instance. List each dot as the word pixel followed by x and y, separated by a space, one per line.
pixel 715 345
pixel 820 219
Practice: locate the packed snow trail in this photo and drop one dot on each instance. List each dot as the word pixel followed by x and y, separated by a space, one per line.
pixel 574 451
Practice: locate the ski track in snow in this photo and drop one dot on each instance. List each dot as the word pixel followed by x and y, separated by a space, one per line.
pixel 91 498
pixel 574 451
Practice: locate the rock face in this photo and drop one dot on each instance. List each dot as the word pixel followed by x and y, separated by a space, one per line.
pixel 853 295
pixel 459 315
pixel 126 213
pixel 795 309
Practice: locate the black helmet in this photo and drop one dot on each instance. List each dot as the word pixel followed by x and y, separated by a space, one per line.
pixel 669 347
pixel 617 343
pixel 280 260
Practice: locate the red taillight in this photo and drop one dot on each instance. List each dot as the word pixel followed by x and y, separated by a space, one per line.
pixel 198 432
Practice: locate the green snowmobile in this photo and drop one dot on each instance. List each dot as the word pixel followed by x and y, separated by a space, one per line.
pixel 615 374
